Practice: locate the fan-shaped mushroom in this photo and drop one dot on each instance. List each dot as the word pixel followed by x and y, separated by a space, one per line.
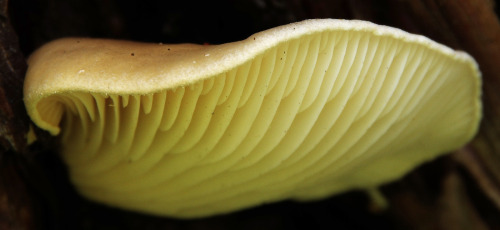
pixel 301 111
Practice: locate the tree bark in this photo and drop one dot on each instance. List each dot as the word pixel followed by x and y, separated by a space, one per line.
pixel 16 204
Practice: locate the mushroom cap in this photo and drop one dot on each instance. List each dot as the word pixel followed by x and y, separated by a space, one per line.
pixel 301 111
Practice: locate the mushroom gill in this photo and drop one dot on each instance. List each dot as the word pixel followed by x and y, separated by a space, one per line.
pixel 301 111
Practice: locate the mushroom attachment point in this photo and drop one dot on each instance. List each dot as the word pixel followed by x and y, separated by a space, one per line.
pixel 301 111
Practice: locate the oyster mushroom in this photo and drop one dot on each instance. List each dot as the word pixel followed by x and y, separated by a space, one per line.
pixel 302 111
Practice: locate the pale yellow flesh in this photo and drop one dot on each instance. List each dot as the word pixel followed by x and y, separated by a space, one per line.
pixel 301 111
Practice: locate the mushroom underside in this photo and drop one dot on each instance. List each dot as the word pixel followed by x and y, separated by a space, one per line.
pixel 309 117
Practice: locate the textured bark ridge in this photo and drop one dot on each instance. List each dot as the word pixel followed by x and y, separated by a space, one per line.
pixel 16 206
